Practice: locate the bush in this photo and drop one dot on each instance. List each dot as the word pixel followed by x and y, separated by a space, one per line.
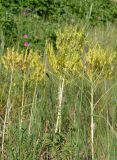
pixel 8 26
pixel 95 11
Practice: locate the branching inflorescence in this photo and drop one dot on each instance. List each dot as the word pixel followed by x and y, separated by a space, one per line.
pixel 99 63
pixel 29 64
pixel 65 56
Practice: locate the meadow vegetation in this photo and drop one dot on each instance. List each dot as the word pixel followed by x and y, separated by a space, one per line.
pixel 58 80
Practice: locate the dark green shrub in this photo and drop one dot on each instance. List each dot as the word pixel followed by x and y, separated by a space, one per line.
pixel 8 26
pixel 95 11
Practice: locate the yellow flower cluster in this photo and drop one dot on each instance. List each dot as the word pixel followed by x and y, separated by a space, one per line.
pixel 99 63
pixel 28 63
pixel 12 59
pixel 32 66
pixel 65 55
pixel 69 40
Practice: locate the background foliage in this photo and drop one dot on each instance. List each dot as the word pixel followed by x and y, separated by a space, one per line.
pixel 49 13
pixel 103 9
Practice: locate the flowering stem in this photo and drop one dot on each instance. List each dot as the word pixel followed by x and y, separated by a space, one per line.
pixel 60 97
pixel 8 109
pixel 22 106
pixel 92 120
pixel 33 103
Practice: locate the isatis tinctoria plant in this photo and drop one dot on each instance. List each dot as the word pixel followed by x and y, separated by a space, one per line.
pixel 28 67
pixel 98 66
pixel 64 57
pixel 34 71
pixel 10 62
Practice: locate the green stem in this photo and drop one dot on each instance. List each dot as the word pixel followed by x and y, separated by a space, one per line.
pixel 92 120
pixel 8 109
pixel 22 106
pixel 108 138
pixel 33 103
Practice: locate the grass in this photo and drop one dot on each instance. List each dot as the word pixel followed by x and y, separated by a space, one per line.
pixel 29 109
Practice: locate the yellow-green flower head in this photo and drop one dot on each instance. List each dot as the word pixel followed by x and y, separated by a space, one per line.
pixel 28 63
pixel 32 66
pixel 12 59
pixel 65 55
pixel 99 63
